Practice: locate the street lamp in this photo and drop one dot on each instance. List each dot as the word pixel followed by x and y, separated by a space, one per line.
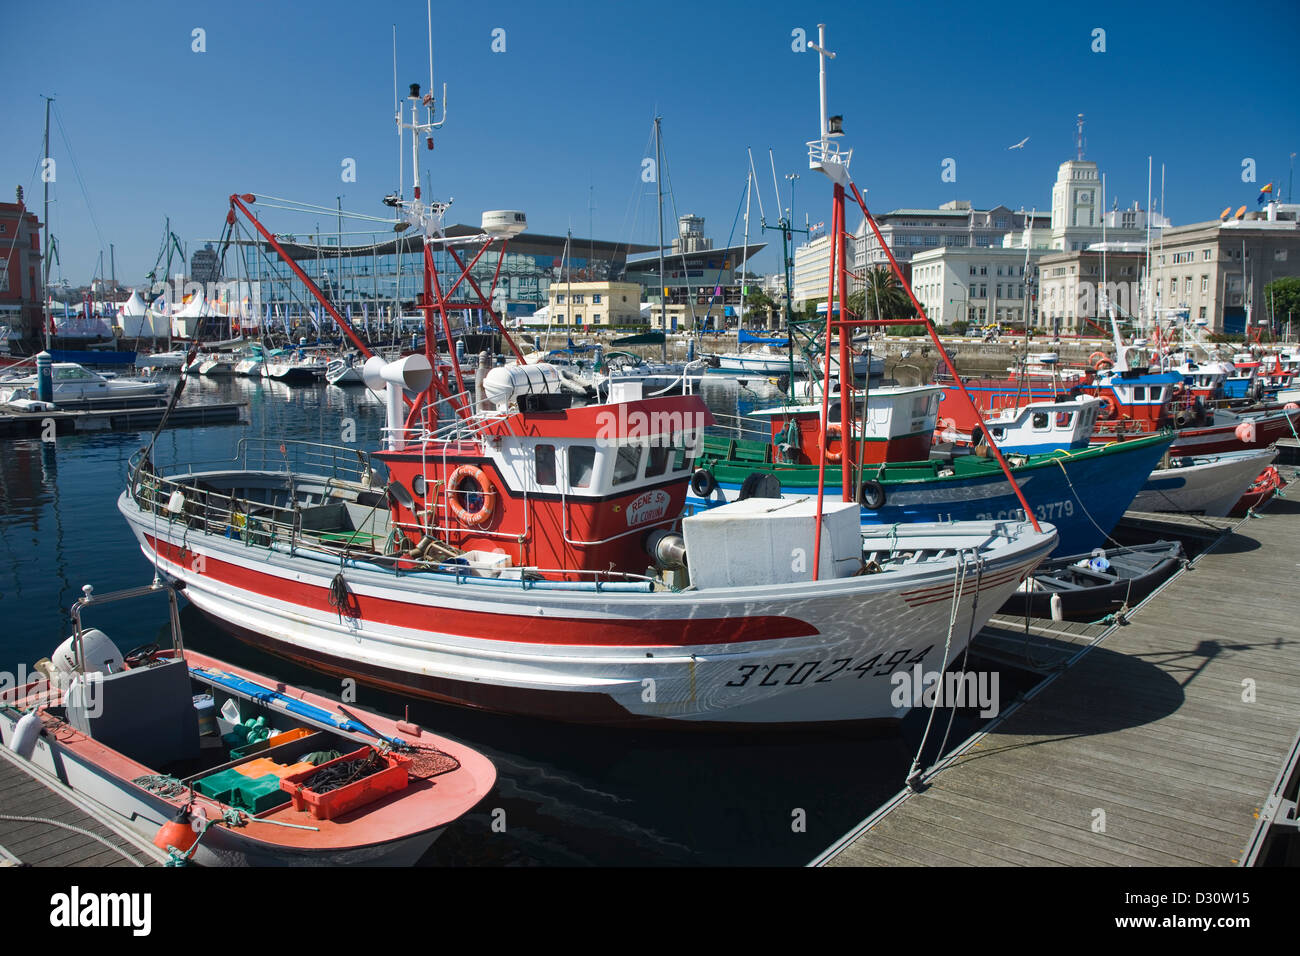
pixel 966 302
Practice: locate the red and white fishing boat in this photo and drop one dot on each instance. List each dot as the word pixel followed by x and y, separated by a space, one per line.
pixel 528 556
pixel 227 767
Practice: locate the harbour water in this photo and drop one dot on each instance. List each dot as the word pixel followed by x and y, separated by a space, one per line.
pixel 566 795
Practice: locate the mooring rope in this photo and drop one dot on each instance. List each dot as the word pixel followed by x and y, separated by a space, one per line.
pixel 958 586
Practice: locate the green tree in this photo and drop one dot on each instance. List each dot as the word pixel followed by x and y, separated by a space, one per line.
pixel 881 297
pixel 759 302
pixel 1282 300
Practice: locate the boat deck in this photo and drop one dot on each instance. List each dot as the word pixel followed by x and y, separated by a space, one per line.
pixel 45 840
pixel 1155 743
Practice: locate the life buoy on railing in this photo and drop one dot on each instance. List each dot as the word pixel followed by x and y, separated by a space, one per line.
pixel 1109 407
pixel 833 431
pixel 481 500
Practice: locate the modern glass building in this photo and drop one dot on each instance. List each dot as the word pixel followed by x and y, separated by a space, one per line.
pixel 386 275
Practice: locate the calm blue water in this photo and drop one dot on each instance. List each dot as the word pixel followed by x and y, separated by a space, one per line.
pixel 571 795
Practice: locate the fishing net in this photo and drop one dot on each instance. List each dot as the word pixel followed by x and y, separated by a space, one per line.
pixel 429 762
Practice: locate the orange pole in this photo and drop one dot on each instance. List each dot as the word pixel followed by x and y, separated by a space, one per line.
pixel 952 369
pixel 837 211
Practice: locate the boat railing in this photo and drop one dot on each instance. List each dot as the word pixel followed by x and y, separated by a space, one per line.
pixel 89 597
pixel 329 463
pixel 280 528
pixel 737 426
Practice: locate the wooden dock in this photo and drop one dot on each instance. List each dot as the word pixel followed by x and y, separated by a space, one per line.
pixel 20 424
pixel 43 823
pixel 1156 743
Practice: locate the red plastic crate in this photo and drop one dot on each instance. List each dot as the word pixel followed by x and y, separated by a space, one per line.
pixel 327 806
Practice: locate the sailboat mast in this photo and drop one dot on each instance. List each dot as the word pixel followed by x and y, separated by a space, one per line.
pixel 659 186
pixel 45 312
pixel 749 180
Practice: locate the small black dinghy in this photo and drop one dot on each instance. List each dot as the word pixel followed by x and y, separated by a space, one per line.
pixel 1094 585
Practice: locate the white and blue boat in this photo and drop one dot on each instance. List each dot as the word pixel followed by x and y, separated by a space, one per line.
pixel 1083 492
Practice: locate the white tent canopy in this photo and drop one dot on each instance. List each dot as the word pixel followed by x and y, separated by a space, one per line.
pixel 133 307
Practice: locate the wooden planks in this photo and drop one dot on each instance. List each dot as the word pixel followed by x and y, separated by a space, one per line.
pixel 39 841
pixel 1157 747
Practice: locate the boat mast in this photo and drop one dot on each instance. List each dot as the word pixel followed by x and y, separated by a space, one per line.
pixel 744 256
pixel 1149 302
pixel 45 287
pixel 659 186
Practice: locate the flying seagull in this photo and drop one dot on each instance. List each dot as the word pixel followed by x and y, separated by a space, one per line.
pixel 1020 144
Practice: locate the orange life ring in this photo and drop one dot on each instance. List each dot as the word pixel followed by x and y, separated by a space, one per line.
pixel 487 496
pixel 1096 357
pixel 834 457
pixel 1109 407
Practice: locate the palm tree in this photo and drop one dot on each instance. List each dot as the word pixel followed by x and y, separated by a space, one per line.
pixel 881 297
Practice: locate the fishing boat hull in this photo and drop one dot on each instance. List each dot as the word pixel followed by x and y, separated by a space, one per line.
pixel 615 654
pixel 1082 493
pixel 1209 485
pixel 104 777
pixel 1268 427
pixel 1086 594
pixel 392 830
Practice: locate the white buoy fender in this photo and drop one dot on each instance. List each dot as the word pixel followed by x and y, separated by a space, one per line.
pixel 1057 614
pixel 26 731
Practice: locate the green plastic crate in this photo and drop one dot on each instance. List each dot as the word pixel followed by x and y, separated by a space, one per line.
pixel 253 794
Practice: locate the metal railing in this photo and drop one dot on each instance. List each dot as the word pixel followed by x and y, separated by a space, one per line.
pixel 265 524
pixel 89 597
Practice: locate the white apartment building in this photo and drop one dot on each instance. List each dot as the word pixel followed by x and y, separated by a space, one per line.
pixel 980 286
pixel 812 269
pixel 954 225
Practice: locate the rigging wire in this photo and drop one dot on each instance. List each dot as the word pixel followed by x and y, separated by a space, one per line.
pixel 76 169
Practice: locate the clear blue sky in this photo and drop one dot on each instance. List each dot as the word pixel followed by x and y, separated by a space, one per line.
pixel 285 91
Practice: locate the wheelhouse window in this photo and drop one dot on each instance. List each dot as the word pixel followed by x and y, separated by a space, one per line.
pixel 684 451
pixel 582 464
pixel 544 464
pixel 1039 421
pixel 627 463
pixel 657 460
pixel 1140 393
pixel 1063 419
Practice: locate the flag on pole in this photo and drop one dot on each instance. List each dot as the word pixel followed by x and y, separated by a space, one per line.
pixel 1263 194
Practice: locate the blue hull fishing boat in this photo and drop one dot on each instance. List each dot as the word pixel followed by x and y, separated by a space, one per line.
pixel 1082 492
